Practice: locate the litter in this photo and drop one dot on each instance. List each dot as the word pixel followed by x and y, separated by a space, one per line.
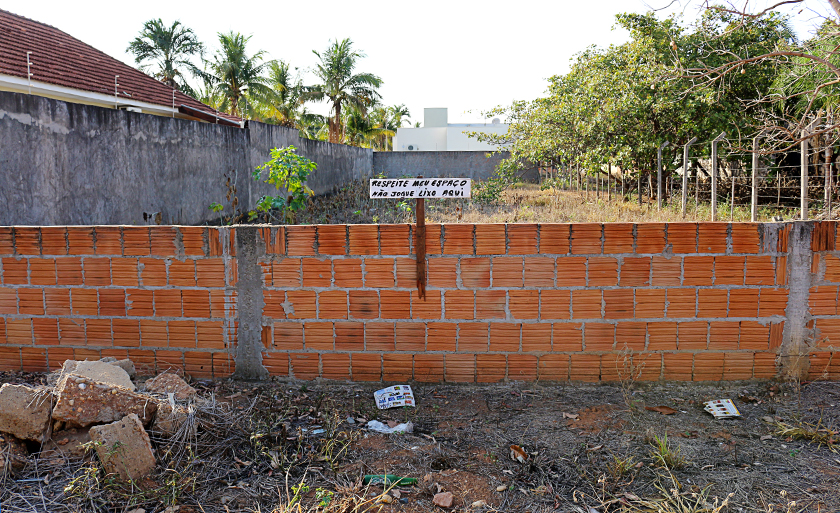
pixel 375 425
pixel 517 453
pixel 722 408
pixel 388 479
pixel 392 397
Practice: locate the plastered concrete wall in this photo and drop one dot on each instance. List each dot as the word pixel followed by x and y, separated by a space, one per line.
pixel 462 164
pixel 550 302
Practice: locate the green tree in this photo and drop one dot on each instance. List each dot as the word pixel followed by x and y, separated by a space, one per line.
pixel 164 52
pixel 362 130
pixel 340 86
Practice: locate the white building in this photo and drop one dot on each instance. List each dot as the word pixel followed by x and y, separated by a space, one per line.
pixel 437 134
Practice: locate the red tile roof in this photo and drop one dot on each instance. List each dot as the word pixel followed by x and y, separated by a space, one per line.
pixel 60 59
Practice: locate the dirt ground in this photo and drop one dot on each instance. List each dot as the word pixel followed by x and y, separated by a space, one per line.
pixel 590 450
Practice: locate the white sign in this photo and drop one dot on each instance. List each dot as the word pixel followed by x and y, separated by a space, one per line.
pixel 434 188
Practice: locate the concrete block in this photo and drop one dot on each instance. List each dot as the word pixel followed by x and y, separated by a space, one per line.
pixel 124 448
pixel 82 402
pixel 169 383
pixel 171 419
pixel 25 412
pixel 125 364
pixel 99 371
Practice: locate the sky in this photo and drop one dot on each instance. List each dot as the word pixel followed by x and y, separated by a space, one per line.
pixel 468 56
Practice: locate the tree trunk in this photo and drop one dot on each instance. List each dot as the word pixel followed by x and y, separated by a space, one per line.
pixel 335 125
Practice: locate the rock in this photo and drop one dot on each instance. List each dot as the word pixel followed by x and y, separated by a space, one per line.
pixel 101 372
pixel 13 455
pixel 479 504
pixel 126 365
pixel 169 383
pixel 25 412
pixel 443 499
pixel 82 402
pixel 501 488
pixel 169 420
pixel 67 444
pixel 124 448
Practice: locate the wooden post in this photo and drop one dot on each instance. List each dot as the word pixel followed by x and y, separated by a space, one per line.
pixel 732 194
pixel 754 191
pixel 639 187
pixel 420 250
pixel 803 186
pixel 715 174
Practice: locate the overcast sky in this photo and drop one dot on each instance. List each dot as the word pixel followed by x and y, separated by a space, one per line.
pixel 468 56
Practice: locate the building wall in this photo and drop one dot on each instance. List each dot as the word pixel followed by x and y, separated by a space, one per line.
pixel 551 302
pixel 450 138
pixel 462 164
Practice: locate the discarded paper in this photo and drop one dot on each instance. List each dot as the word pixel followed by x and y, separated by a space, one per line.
pixel 392 397
pixel 722 408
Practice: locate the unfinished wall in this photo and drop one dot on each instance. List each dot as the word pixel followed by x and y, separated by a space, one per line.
pixel 465 164
pixel 551 302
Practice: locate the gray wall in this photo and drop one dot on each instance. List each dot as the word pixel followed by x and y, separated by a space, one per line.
pixel 67 163
pixel 463 164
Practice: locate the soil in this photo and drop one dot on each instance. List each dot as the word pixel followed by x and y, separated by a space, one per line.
pixel 575 435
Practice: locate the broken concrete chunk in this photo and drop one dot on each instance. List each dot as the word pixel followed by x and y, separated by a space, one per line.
pixel 124 448
pixel 125 364
pixel 171 419
pixel 13 455
pixel 25 412
pixel 168 383
pixel 82 402
pixel 67 443
pixel 99 371
pixel 443 499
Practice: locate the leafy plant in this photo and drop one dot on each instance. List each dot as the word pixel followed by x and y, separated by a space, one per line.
pixel 665 455
pixel 289 171
pixel 216 207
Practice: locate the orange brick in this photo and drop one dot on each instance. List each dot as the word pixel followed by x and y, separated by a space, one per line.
pixel 214 241
pixel 554 304
pixel 507 272
pixel 832 267
pixel 505 336
pixel 379 336
pixel 277 364
pixel 406 273
pixel 84 301
pixel 19 331
pixel 490 368
pixel 433 234
pixel 33 359
pixel 571 272
pixel 737 366
pixel 124 272
pixel 126 332
pixel 364 304
pixel 666 271
pixel 474 336
pixel 490 304
pixel 554 367
pixel 442 336
pixel 678 366
pixel 745 237
pixel 585 367
pixel 69 271
pixel 42 271
pixel 458 239
pixel 650 303
pixel 650 238
pixel 27 241
pixel 182 334
pixel 781 270
pixel 80 240
pixel 443 272
pixel 712 237
pixel 475 272
pixel 428 308
pixel 366 367
pixel 57 301
pixel 682 302
pixel 692 335
pixel 108 240
pixel 524 304
pixel 7 246
pixel 618 304
pixel 289 336
pixel 304 365
pixel 729 270
pixel 599 336
pixel 586 238
pixel 764 366
pixel 723 335
pixel 286 272
pixel 198 364
pixel 395 304
pixel 71 331
pixel 30 301
pixel 490 239
pixel 536 337
pixel 567 337
pixel 112 302
pixel 411 336
pixel 98 332
pixel 635 272
pixel 10 359
pixel 394 239
pixel 522 239
pixel 300 241
pixel 332 239
pixel 824 365
pixel 397 367
pixel 379 272
pixel 318 335
pixel 45 331
pixel 428 368
pixel 316 272
pixel 302 304
pixel 539 272
pixel 522 367
pixel 460 304
pixel 364 239
pixel 97 272
pixel 182 274
pixel 823 300
pixel 8 301
pixel 167 303
pixel 698 270
pixel 348 272
pixel 152 273
pixel 140 302
pixel 210 272
pixel 615 366
pixel 708 366
pixel 586 304
pixel 15 272
pixel 56 355
pixel 711 302
pixel 630 335
pixel 349 336
pixel 754 336
pixel 822 238
pixel 332 304
pixel 192 239
pixel 163 241
pixel 682 237
pixel 196 303
pixel 136 241
pixel 618 238
pixel 743 303
pixel 772 302
pixel 555 239
pixel 662 336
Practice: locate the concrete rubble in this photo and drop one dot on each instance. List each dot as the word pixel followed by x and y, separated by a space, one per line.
pixel 93 401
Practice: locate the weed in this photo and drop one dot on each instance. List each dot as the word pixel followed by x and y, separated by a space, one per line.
pixel 665 455
pixel 619 467
pixel 817 433
pixel 673 500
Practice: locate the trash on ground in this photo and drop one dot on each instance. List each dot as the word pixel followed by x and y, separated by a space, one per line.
pixel 388 480
pixel 664 410
pixel 375 425
pixel 722 408
pixel 392 397
pixel 518 454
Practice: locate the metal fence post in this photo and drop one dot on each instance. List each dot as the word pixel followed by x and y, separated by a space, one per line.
pixel 754 192
pixel 659 175
pixel 803 186
pixel 685 174
pixel 715 174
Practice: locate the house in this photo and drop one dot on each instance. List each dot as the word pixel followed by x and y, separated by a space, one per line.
pixel 437 134
pixel 38 59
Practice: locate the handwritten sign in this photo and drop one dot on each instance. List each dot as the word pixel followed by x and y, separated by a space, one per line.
pixel 416 188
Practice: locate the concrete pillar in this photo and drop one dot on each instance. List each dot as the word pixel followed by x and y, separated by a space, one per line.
pixel 249 288
pixel 796 337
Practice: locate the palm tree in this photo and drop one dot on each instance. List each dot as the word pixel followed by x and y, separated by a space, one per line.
pixel 389 119
pixel 362 131
pixel 236 76
pixel 340 86
pixel 164 52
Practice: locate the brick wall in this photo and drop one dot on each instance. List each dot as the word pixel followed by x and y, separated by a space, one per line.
pixel 554 302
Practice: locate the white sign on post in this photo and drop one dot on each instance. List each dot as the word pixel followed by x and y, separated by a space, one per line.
pixel 415 188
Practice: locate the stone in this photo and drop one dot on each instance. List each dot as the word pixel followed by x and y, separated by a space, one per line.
pixel 13 455
pixel 124 448
pixel 99 371
pixel 125 364
pixel 82 402
pixel 170 419
pixel 67 443
pixel 443 499
pixel 169 383
pixel 25 412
